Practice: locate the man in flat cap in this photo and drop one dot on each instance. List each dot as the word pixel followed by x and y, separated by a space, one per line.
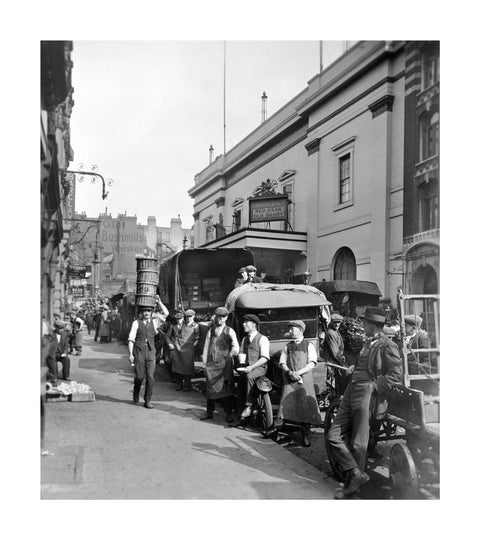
pixel 141 346
pixel 221 344
pixel 252 274
pixel 242 277
pixel 378 368
pixel 256 347
pixel 416 338
pixel 298 402
pixel 182 338
pixel 334 353
pixel 59 352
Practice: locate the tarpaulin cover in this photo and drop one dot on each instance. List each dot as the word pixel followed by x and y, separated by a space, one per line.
pixel 348 285
pixel 274 296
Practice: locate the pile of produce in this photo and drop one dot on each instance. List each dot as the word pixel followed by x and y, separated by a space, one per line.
pixel 353 334
pixel 73 387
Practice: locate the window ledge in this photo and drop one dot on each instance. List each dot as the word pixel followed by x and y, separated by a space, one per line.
pixel 341 206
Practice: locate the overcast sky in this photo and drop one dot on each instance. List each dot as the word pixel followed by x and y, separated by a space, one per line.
pixel 146 113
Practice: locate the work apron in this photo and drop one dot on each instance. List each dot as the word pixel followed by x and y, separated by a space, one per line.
pixel 298 402
pixel 219 366
pixel 183 357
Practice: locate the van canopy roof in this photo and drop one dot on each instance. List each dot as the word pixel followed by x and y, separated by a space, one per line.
pixel 274 296
pixel 348 285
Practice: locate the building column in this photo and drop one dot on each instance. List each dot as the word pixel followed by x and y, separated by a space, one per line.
pixel 313 204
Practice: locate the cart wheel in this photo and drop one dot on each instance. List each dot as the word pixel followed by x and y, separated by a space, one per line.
pixel 329 418
pixel 264 417
pixel 403 473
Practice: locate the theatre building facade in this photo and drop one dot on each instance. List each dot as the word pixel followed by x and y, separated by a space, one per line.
pixel 316 190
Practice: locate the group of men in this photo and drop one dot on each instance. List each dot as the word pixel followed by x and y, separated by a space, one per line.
pixel 247 274
pixel 298 402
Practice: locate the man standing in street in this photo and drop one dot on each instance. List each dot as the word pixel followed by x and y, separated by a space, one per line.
pixel 182 339
pixel 379 368
pixel 298 402
pixel 221 344
pixel 257 349
pixel 334 353
pixel 59 353
pixel 141 345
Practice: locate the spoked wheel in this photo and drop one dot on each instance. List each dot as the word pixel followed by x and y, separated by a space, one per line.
pixel 403 473
pixel 264 412
pixel 329 418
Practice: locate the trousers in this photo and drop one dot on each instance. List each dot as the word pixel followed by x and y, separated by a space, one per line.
pixel 144 361
pixel 53 367
pixel 348 436
pixel 246 385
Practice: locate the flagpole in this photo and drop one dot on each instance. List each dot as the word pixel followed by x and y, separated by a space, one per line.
pixel 224 97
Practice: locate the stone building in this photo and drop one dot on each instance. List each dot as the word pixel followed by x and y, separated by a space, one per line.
pixel 317 188
pixel 56 198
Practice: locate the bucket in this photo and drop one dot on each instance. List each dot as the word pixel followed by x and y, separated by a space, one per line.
pixel 146 263
pixel 145 300
pixel 147 288
pixel 147 276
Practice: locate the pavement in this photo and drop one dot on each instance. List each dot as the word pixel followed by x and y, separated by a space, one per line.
pixel 113 449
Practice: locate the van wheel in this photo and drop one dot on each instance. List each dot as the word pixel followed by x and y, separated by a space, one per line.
pixel 264 412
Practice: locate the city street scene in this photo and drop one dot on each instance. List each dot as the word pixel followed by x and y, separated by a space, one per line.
pixel 240 273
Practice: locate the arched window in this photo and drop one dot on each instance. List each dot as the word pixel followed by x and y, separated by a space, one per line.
pixel 345 266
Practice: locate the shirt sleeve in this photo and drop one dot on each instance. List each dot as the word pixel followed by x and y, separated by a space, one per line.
pixel 283 357
pixel 235 345
pixel 312 354
pixel 265 347
pixel 206 345
pixel 133 331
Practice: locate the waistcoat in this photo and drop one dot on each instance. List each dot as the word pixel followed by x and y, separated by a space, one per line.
pixel 145 335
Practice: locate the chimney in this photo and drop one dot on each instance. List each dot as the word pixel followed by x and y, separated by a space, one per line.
pixel 264 107
pixel 210 150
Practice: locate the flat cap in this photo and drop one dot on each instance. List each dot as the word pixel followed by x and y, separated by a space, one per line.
pixel 414 320
pixel 221 311
pixel 250 268
pixel 297 324
pixel 336 317
pixel 179 315
pixel 190 312
pixel 252 318
pixel 242 269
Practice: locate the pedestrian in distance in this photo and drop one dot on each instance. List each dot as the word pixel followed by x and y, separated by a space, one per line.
pixel 221 344
pixel 298 403
pixel 182 339
pixel 378 369
pixel 256 347
pixel 242 277
pixel 141 346
pixel 104 330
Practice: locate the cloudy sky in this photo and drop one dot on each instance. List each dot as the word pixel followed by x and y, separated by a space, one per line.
pixel 146 112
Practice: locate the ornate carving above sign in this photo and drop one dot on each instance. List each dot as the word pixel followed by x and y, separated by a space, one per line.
pixel 265 189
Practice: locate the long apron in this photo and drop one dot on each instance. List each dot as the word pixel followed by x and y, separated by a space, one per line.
pixel 219 366
pixel 183 357
pixel 298 402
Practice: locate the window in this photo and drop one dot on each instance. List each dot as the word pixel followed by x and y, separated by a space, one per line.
pixel 287 189
pixel 429 205
pixel 429 135
pixel 430 70
pixel 345 266
pixel 345 180
pixel 237 219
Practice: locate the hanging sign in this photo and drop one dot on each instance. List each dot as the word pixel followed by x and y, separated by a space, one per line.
pixel 268 209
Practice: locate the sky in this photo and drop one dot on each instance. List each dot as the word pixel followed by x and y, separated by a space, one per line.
pixel 146 113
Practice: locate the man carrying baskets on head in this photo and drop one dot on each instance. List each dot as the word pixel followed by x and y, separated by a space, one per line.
pixel 141 345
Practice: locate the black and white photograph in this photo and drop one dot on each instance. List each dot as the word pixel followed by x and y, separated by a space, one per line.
pixel 238 278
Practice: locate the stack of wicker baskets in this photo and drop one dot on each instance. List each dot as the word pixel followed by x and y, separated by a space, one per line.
pixel 147 281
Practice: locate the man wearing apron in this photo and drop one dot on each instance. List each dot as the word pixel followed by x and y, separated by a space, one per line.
pixel 182 340
pixel 221 344
pixel 298 402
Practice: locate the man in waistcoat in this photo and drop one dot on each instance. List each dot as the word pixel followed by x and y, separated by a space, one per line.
pixel 59 353
pixel 141 346
pixel 221 344
pixel 378 368
pixel 257 349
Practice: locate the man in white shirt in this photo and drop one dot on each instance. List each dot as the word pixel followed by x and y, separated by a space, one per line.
pixel 141 346
pixel 257 349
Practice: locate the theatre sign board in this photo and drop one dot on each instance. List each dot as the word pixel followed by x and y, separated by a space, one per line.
pixel 269 209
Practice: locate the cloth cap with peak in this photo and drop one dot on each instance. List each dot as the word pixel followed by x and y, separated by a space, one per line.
pixel 252 318
pixel 298 324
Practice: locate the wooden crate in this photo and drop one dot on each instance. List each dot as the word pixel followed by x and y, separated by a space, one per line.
pixel 87 396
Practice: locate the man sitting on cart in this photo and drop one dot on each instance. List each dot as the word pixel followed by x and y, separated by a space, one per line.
pixel 379 368
pixel 256 346
pixel 416 338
